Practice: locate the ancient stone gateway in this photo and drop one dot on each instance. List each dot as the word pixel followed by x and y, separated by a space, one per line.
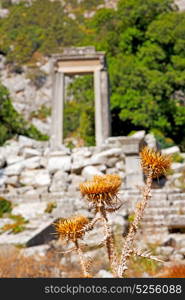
pixel 76 61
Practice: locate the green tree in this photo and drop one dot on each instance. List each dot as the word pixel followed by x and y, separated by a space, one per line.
pixel 145 43
pixel 79 110
pixel 12 123
pixel 43 27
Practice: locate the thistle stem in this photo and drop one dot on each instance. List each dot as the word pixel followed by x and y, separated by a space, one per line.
pixel 128 245
pixel 109 241
pixel 82 262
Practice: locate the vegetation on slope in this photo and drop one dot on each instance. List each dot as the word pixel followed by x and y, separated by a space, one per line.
pixel 145 46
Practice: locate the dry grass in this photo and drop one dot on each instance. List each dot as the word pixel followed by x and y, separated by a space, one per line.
pixel 15 265
pixel 177 270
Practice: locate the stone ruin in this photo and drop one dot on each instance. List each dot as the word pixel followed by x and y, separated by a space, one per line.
pixel 76 61
pixel 36 174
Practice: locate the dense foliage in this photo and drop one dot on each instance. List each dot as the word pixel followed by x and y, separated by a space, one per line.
pixel 11 122
pixel 79 111
pixel 42 27
pixel 145 46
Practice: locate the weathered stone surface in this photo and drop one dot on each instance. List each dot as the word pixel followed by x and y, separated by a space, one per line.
pixel 134 175
pixel 102 157
pixel 40 250
pixel 165 251
pixel 15 169
pixel 102 168
pixel 12 180
pixel 120 166
pixel 32 163
pixel 176 196
pixel 59 182
pixel 28 153
pixel 78 164
pixel 41 233
pixel 104 274
pixel 151 142
pixel 12 159
pixel 30 210
pixel 3 177
pixel 178 167
pixel 90 171
pixel 171 150
pixel 139 134
pixel 111 171
pixel 176 257
pixel 35 178
pixel 75 180
pixel 129 145
pixel 177 221
pixel 2 160
pixel 111 162
pixel 59 163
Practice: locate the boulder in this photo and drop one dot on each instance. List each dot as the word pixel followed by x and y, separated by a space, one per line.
pixel 178 167
pixel 42 126
pixel 90 171
pixel 165 251
pixel 139 134
pixel 12 159
pixel 35 178
pixel 59 182
pixel 102 157
pixel 3 177
pixel 75 181
pixel 32 163
pixel 57 163
pixel 151 141
pixel 120 166
pixel 111 162
pixel 30 210
pixel 12 180
pixel 2 160
pixel 28 152
pixel 171 150
pixel 15 169
pixel 79 164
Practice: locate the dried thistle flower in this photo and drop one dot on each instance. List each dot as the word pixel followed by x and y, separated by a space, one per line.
pixel 72 228
pixel 154 163
pixel 101 188
pixel 102 191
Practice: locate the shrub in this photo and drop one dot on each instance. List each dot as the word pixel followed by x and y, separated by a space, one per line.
pixel 5 206
pixel 12 122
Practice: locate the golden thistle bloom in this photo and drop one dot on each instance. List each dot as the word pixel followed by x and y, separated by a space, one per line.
pixel 72 228
pixel 154 163
pixel 103 188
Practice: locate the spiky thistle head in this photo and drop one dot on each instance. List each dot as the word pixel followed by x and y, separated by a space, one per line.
pixel 71 228
pixel 154 163
pixel 101 188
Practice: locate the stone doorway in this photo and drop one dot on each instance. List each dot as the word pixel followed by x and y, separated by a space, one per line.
pixel 79 61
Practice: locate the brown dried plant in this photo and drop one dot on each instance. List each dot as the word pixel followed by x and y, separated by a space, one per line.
pixel 154 164
pixel 73 229
pixel 176 270
pixel 102 193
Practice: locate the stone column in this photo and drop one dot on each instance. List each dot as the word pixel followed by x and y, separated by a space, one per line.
pixel 98 108
pixel 105 103
pixel 57 110
pixel 134 173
